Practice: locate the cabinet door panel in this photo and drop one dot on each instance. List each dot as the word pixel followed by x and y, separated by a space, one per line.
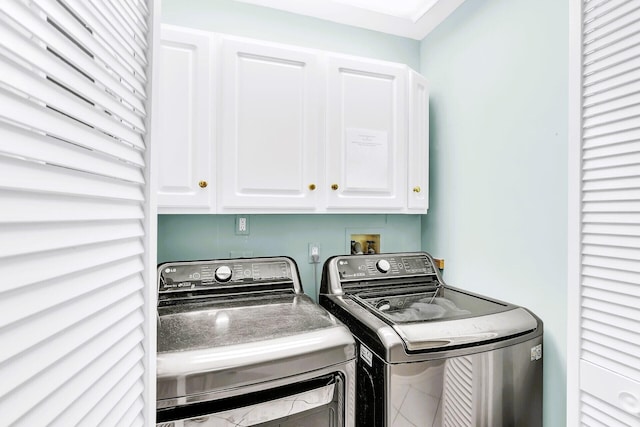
pixel 185 115
pixel 366 135
pixel 270 127
pixel 418 159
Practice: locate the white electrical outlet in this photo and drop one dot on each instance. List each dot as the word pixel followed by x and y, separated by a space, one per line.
pixel 242 224
pixel 314 253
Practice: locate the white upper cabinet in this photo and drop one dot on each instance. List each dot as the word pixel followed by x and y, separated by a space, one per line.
pixel 366 134
pixel 186 120
pixel 418 149
pixel 271 111
pixel 253 126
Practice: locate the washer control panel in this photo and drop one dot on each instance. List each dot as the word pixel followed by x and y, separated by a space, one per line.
pixel 245 272
pixel 363 267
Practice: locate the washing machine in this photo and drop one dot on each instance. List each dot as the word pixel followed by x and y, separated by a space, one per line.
pixel 430 354
pixel 240 344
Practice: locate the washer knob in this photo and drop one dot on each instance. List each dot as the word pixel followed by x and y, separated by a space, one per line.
pixel 223 273
pixel 383 266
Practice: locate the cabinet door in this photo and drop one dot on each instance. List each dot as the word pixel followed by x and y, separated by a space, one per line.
pixel 271 106
pixel 418 159
pixel 366 122
pixel 185 118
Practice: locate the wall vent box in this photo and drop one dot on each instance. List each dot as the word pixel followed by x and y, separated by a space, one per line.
pixel 365 244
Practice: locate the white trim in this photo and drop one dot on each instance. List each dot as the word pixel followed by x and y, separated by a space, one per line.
pixel 151 217
pixel 574 216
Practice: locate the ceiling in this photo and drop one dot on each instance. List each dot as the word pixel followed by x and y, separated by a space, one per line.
pixel 406 18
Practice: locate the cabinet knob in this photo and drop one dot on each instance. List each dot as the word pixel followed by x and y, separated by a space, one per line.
pixel 312 187
pixel 416 189
pixel 203 184
pixel 334 187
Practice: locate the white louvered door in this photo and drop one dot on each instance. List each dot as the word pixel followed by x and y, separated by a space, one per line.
pixel 604 229
pixel 75 220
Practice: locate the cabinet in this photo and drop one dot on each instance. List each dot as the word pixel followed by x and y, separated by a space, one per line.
pixel 418 148
pixel 366 134
pixel 269 151
pixel 185 119
pixel 271 128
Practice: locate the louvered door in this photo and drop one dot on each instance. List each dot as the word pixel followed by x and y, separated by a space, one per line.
pixel 604 296
pixel 74 225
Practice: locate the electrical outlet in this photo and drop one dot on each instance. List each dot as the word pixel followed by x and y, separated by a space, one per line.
pixel 314 253
pixel 242 224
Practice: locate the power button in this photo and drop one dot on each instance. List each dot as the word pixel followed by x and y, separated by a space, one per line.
pixel 383 266
pixel 223 274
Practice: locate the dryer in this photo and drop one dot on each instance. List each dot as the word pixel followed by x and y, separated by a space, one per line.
pixel 240 344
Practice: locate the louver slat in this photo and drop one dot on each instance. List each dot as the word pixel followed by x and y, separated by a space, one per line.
pixel 54 179
pixel 612 229
pixel 612 150
pixel 137 18
pixel 604 106
pixel 59 71
pixel 34 238
pixel 610 330
pixel 117 40
pixel 95 44
pixel 32 300
pixel 103 359
pixel 620 29
pixel 22 271
pixel 48 355
pixel 47 121
pixel 61 45
pixel 597 8
pixel 59 98
pixel 110 391
pixel 73 225
pixel 35 147
pixel 618 42
pixel 607 14
pixel 612 195
pixel 18 207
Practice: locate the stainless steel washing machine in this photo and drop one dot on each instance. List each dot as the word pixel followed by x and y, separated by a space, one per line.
pixel 239 344
pixel 430 354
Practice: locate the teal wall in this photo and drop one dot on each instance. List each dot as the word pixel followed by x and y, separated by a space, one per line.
pixel 498 132
pixel 498 73
pixel 192 237
pixel 230 17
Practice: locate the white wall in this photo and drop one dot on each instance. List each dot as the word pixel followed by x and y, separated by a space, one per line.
pixel 498 79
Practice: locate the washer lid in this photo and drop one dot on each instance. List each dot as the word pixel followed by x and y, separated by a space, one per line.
pixel 465 331
pixel 238 321
pixel 411 303
pixel 209 348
